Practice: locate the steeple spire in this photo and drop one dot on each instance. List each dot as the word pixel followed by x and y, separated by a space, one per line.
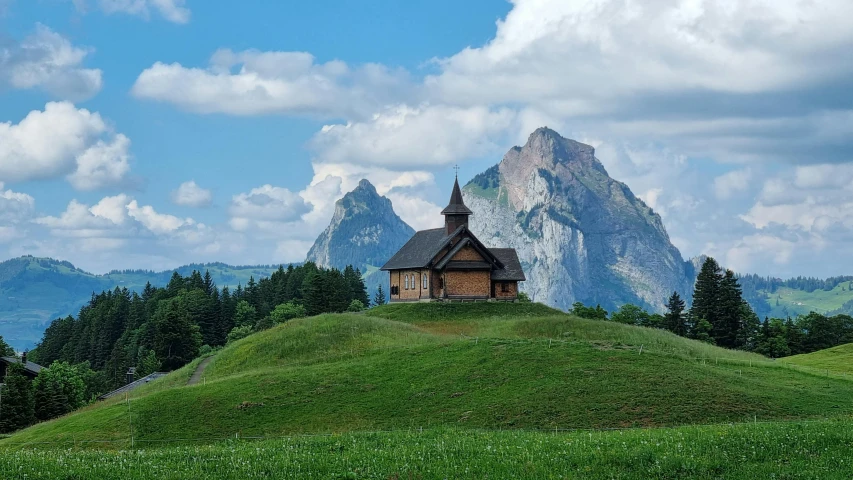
pixel 456 205
pixel 456 213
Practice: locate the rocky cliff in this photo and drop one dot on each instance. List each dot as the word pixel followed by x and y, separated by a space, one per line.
pixel 581 235
pixel 364 232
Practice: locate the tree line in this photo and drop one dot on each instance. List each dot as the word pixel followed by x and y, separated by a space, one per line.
pixel 719 314
pixel 164 328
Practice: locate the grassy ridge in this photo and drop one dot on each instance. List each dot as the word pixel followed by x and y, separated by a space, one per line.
pixel 814 450
pixel 493 366
pixel 836 359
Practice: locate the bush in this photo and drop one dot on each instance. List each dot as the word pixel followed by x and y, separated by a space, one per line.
pixel 523 297
pixel 287 311
pixel 237 333
pixel 355 306
pixel 204 350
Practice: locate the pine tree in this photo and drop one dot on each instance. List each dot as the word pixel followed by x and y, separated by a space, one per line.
pixel 177 338
pixel 316 294
pixel 727 319
pixel 706 295
pixel 674 317
pixel 17 410
pixel 5 349
pixel 379 297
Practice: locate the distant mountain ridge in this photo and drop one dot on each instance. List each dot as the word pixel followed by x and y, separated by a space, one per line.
pixel 34 291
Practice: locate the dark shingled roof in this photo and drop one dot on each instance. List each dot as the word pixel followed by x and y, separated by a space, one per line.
pixel 30 366
pixel 456 206
pixel 512 270
pixel 419 250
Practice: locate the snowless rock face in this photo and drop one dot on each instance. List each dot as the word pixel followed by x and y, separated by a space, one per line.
pixel 364 232
pixel 580 235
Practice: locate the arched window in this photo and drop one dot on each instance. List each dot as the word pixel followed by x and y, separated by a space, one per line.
pixel 425 281
pixel 407 281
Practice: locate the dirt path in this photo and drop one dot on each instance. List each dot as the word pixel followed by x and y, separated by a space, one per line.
pixel 199 371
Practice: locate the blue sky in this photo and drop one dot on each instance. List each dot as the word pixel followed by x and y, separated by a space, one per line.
pixel 732 120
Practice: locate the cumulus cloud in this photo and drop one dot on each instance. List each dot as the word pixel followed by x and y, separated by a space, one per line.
pixel 570 54
pixel 15 209
pixel 732 183
pixel 158 223
pixel 406 138
pixel 48 61
pixel 76 149
pixel 102 165
pixel 105 219
pixel 174 11
pixel 266 207
pixel 189 194
pixel 252 83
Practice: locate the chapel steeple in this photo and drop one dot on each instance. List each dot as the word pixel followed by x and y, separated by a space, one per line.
pixel 456 213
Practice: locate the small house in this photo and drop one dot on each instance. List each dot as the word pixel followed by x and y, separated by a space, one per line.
pixel 450 263
pixel 31 369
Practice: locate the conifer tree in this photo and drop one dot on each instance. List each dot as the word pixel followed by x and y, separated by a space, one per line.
pixel 379 297
pixel 727 317
pixel 17 409
pixel 674 320
pixel 706 294
pixel 5 349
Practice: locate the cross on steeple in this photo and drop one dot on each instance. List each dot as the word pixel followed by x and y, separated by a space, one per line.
pixel 456 167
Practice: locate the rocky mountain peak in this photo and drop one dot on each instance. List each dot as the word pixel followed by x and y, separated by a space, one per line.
pixel 364 232
pixel 581 235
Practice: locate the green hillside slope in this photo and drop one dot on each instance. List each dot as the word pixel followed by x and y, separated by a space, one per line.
pixel 34 291
pixel 836 360
pixel 493 366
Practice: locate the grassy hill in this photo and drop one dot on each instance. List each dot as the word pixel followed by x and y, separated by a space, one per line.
pixel 480 366
pixel 837 360
pixel 34 291
pixel 777 298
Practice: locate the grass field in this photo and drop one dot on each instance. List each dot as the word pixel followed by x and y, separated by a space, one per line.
pixel 788 301
pixel 801 450
pixel 479 366
pixel 837 360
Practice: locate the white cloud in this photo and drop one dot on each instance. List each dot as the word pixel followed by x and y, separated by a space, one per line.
pixel 15 209
pixel 189 194
pixel 76 148
pixel 158 223
pixel 102 165
pixel 577 56
pixel 751 252
pixel 173 11
pixel 732 183
pixel 253 82
pixel 105 219
pixel 268 203
pixel 406 138
pixel 15 206
pixel 48 61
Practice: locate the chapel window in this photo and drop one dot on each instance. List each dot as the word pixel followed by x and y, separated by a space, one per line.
pixel 425 281
pixel 407 281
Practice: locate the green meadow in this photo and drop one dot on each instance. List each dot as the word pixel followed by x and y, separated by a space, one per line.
pixel 459 389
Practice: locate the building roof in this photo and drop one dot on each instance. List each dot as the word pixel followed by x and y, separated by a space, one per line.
pixel 31 367
pixel 456 206
pixel 512 270
pixel 422 248
pixel 419 250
